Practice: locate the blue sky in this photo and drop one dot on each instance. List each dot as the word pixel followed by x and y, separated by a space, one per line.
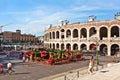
pixel 34 16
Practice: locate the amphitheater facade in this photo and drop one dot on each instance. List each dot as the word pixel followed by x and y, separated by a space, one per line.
pixel 103 35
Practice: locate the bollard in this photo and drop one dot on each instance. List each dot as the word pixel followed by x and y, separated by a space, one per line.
pixel 65 78
pixel 77 74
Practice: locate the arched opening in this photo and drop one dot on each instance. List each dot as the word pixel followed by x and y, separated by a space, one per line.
pixel 93 46
pixel 114 49
pixel 53 33
pixel 50 45
pixel 57 35
pixel 115 31
pixel 62 46
pixel 75 46
pixel 75 33
pixel 92 31
pixel 68 33
pixel 53 46
pixel 62 33
pixel 83 33
pixel 103 49
pixel 50 36
pixel 103 32
pixel 57 46
pixel 68 46
pixel 83 47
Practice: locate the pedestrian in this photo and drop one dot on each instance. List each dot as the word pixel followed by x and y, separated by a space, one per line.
pixel 1 68
pixel 23 58
pixel 91 65
pixel 9 67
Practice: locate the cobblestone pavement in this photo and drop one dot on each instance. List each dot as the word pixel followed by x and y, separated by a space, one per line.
pixel 35 71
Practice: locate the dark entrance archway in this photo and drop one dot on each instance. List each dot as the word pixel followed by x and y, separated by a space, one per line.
pixel 68 46
pixel 75 47
pixel 62 46
pixel 103 49
pixel 83 47
pixel 114 49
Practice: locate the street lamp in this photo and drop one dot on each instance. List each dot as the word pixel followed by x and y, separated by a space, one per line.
pixel 1 39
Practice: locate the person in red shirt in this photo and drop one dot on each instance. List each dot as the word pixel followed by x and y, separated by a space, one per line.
pixel 1 68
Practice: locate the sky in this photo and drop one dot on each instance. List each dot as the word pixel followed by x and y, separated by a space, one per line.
pixel 35 16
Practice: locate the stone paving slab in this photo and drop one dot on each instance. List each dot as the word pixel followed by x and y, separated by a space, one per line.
pixel 110 73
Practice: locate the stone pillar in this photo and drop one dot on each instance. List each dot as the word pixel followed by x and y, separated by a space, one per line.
pixel 88 33
pixel 64 45
pixel 71 35
pixel 55 45
pixel 71 46
pixel 78 46
pixel 65 35
pixel 109 51
pixel 55 35
pixel 59 46
pixel 97 34
pixel 108 46
pixel 87 46
pixel 78 34
pixel 60 35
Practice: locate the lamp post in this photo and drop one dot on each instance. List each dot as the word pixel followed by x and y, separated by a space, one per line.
pixel 97 59
pixel 1 39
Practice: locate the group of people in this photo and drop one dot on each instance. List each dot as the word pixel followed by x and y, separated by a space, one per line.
pixel 9 68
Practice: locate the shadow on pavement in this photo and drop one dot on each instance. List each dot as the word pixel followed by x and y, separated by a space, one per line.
pixel 104 71
pixel 22 73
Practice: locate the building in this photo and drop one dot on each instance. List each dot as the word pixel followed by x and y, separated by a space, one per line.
pixel 17 37
pixel 76 36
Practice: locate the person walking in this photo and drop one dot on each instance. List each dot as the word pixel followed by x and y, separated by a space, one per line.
pixel 91 65
pixel 1 68
pixel 9 68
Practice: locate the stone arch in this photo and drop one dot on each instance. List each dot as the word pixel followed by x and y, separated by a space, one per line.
pixel 57 35
pixel 114 31
pixel 57 46
pixel 103 49
pixel 62 33
pixel 92 46
pixel 68 33
pixel 75 33
pixel 68 46
pixel 83 33
pixel 103 32
pixel 53 34
pixel 92 31
pixel 83 46
pixel 114 49
pixel 50 35
pixel 75 46
pixel 50 45
pixel 62 46
pixel 53 46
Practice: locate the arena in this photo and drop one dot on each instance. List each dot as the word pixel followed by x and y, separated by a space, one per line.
pixel 103 35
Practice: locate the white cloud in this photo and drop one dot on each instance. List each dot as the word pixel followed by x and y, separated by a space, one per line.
pixel 85 5
pixel 36 20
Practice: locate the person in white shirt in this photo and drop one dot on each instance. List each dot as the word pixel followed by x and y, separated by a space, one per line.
pixel 9 67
